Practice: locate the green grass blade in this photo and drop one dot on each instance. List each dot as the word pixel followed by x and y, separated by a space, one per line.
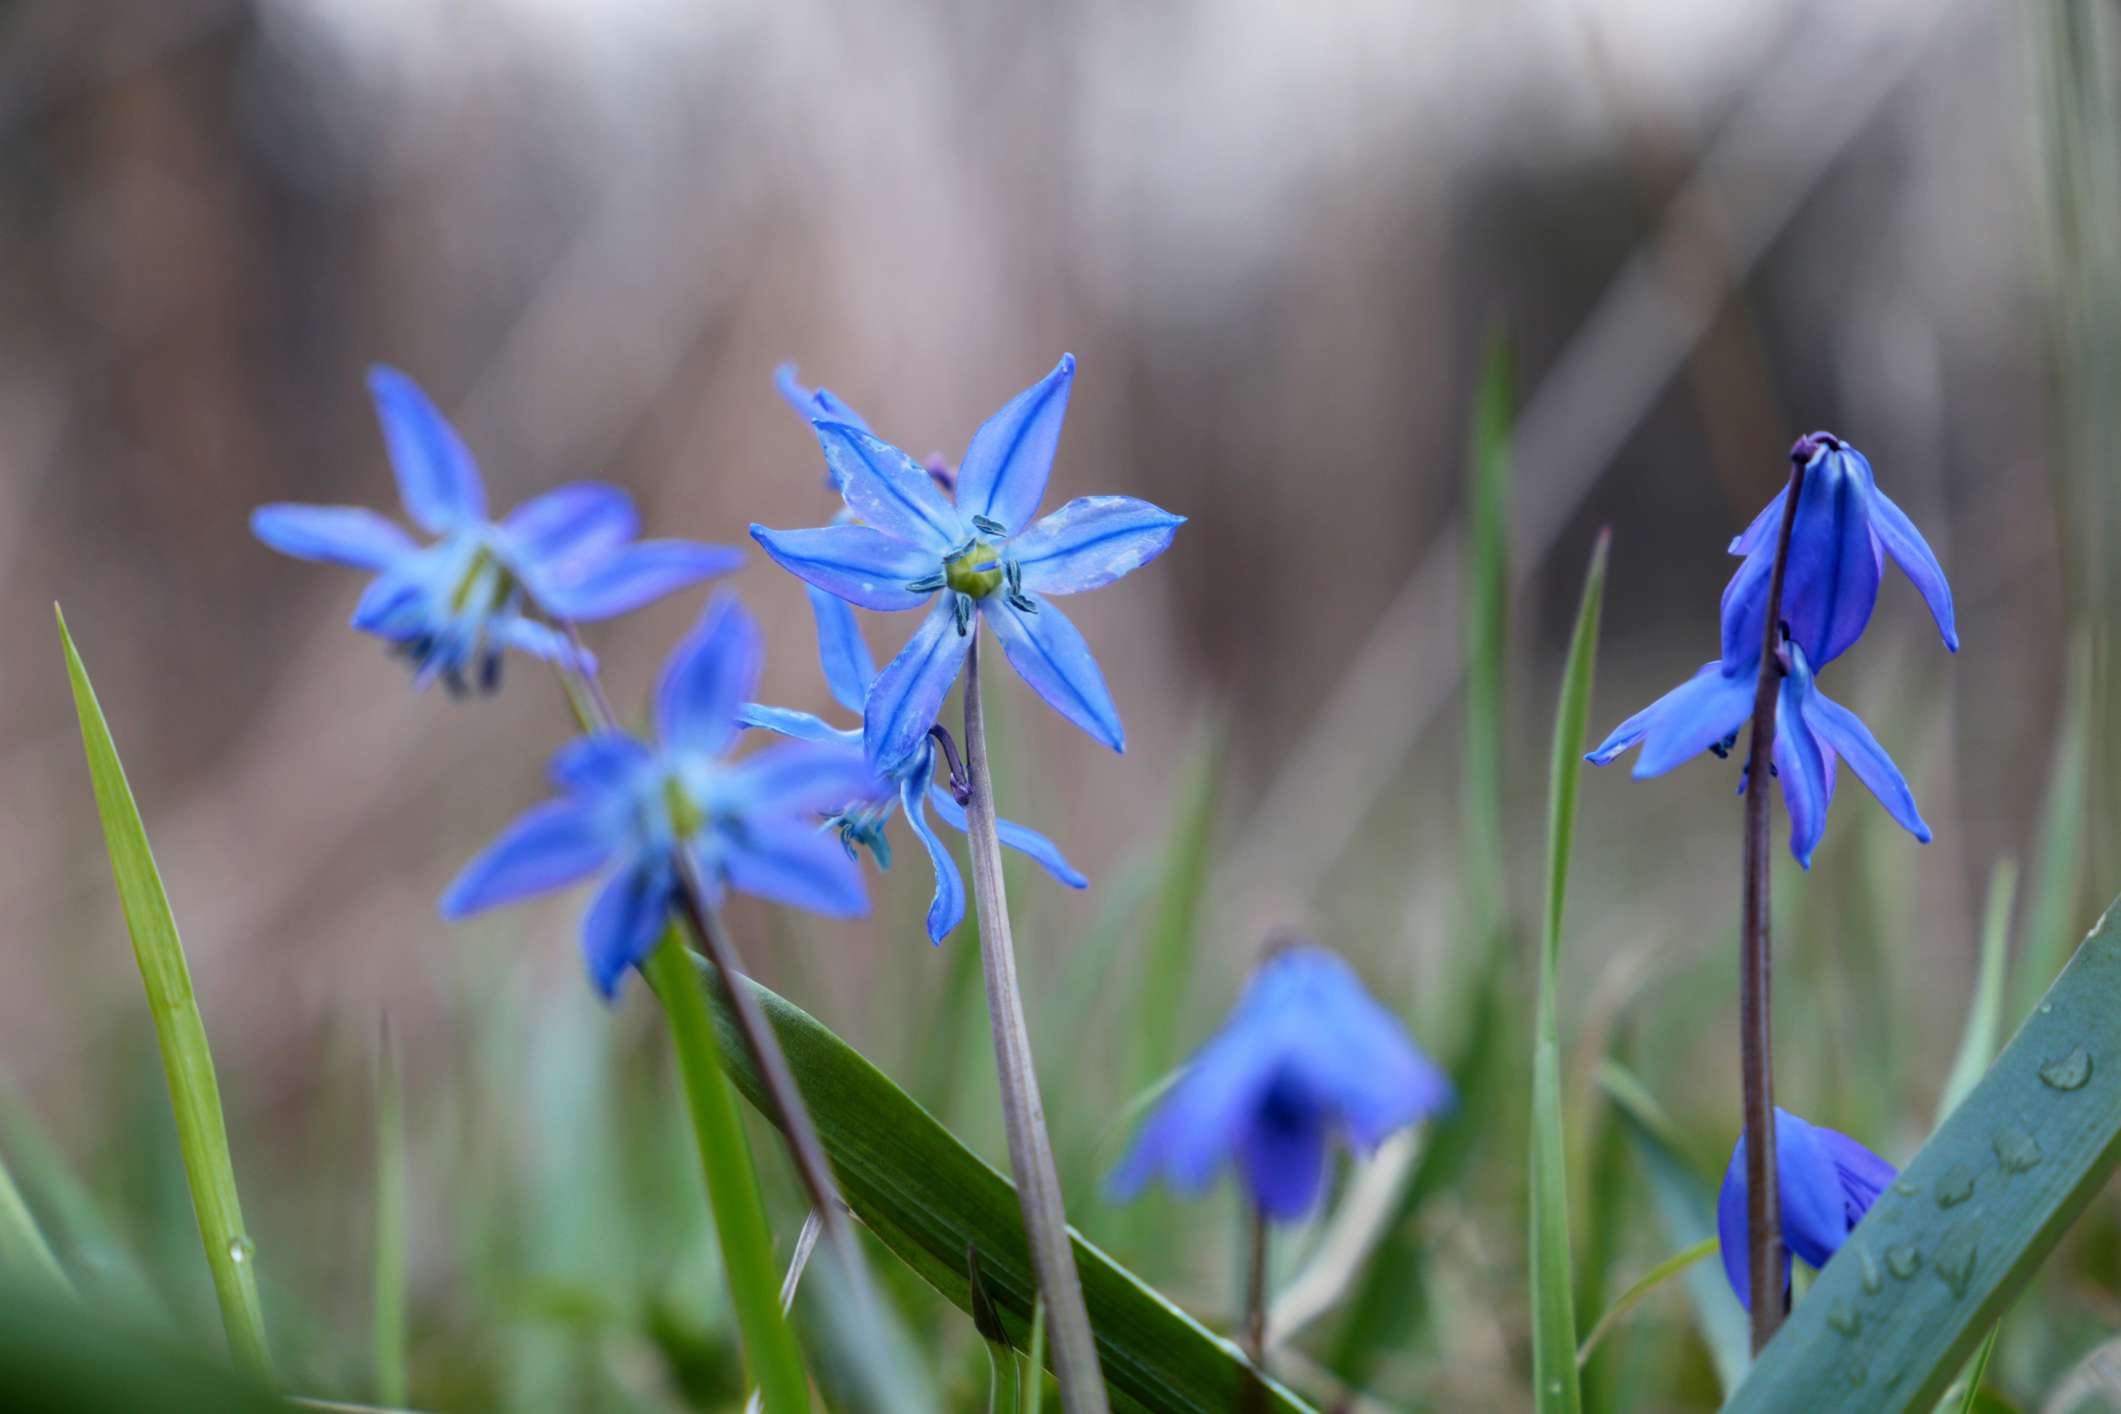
pixel 1486 635
pixel 1672 1266
pixel 24 1254
pixel 58 1357
pixel 1984 1015
pixel 2051 917
pixel 389 1264
pixel 775 1364
pixel 1686 1209
pixel 1949 1245
pixel 1970 1397
pixel 928 1198
pixel 195 1095
pixel 1555 1386
pixel 1168 969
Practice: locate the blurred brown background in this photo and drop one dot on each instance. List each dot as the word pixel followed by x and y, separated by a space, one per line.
pixel 1277 236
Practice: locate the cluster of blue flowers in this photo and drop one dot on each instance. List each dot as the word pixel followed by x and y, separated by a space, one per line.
pixel 1843 529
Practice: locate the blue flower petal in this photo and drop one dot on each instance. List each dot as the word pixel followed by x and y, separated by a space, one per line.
pixel 1199 1124
pixel 841 650
pixel 1814 1205
pixel 814 403
pixel 1049 653
pixel 1283 1152
pixel 789 862
pixel 947 908
pixel 795 779
pixel 1801 769
pixel 641 573
pixel 712 672
pixel 1683 723
pixel 859 564
pixel 802 726
pixel 1913 554
pixel 1831 582
pixel 1765 527
pixel 606 763
pixel 1092 541
pixel 1863 1175
pixel 543 641
pixel 909 692
pixel 570 525
pixel 626 920
pixel 1844 733
pixel 1023 840
pixel 556 844
pixel 890 490
pixel 338 535
pixel 437 479
pixel 1003 475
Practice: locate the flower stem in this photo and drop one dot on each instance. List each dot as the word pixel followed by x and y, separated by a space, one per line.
pixel 1075 1367
pixel 1756 1032
pixel 1256 1293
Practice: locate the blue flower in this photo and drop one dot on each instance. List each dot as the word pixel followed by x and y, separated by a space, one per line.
pixel 1307 1054
pixel 1827 1182
pixel 625 808
pixel 860 820
pixel 1845 527
pixel 452 606
pixel 979 556
pixel 1812 733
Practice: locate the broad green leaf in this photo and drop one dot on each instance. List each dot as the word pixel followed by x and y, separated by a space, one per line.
pixel 195 1095
pixel 24 1254
pixel 1555 1386
pixel 1948 1246
pixel 774 1362
pixel 389 1260
pixel 1686 1209
pixel 1984 1014
pixel 929 1198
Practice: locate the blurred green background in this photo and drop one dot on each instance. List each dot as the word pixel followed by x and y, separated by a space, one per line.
pixel 1280 239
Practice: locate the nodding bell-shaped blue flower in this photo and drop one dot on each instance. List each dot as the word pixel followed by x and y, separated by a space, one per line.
pixel 1812 733
pixel 1308 1054
pixel 1845 528
pixel 977 554
pixel 453 605
pixel 860 821
pixel 626 807
pixel 1827 1182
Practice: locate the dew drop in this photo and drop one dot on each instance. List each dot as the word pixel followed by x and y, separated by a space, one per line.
pixel 1867 1268
pixel 1857 1374
pixel 1907 1188
pixel 2016 1150
pixel 1843 1317
pixel 1903 1259
pixel 1955 1187
pixel 1554 1387
pixel 2068 1072
pixel 2046 1007
pixel 240 1250
pixel 1955 1261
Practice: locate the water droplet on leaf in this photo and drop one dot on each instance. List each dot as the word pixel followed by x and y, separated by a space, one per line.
pixel 1955 1261
pixel 1955 1187
pixel 1867 1268
pixel 2016 1150
pixel 2068 1072
pixel 1903 1259
pixel 1842 1317
pixel 1907 1188
pixel 240 1250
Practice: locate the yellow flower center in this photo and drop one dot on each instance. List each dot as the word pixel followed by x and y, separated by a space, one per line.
pixel 977 572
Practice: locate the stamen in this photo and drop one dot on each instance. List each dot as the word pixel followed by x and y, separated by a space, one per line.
pixel 960 778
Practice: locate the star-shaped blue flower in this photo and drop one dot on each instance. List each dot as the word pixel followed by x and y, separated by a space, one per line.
pixel 849 672
pixel 1308 1054
pixel 1812 733
pixel 1827 1182
pixel 453 605
pixel 979 557
pixel 626 807
pixel 1844 530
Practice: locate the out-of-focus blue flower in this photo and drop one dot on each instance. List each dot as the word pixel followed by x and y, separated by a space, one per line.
pixel 625 808
pixel 1308 1054
pixel 1827 1182
pixel 860 821
pixel 979 556
pixel 453 605
pixel 1812 733
pixel 1845 527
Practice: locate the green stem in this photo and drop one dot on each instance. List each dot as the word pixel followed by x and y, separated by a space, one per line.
pixel 1082 1384
pixel 389 1296
pixel 732 1183
pixel 22 1245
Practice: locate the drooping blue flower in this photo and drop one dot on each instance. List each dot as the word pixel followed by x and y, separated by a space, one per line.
pixel 1307 1055
pixel 453 605
pixel 1845 527
pixel 860 821
pixel 979 557
pixel 626 807
pixel 1827 1182
pixel 1812 733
